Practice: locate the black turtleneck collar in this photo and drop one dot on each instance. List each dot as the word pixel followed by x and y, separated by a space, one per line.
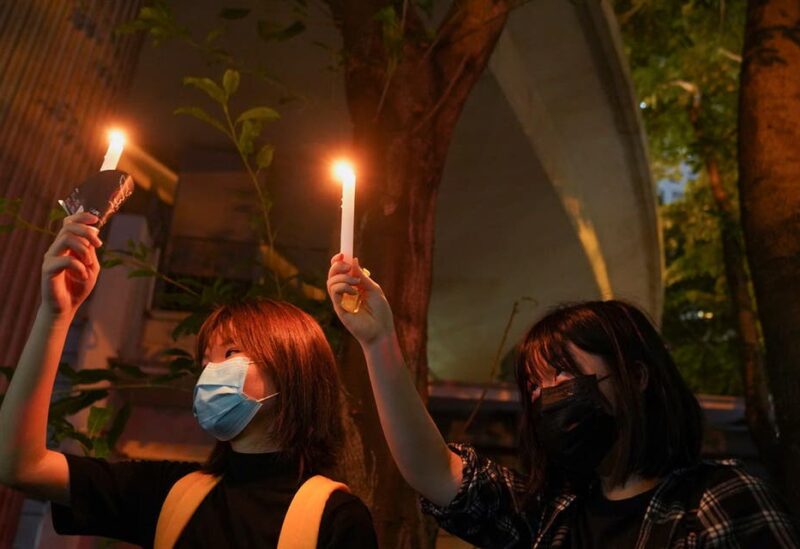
pixel 270 467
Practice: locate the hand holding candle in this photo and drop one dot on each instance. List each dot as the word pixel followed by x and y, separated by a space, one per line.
pixel 343 171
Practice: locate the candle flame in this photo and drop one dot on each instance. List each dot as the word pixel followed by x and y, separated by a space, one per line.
pixel 116 137
pixel 344 172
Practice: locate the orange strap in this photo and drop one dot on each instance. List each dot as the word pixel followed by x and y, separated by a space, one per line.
pixel 179 506
pixel 300 528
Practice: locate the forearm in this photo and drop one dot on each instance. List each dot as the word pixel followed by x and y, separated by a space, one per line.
pixel 23 415
pixel 418 448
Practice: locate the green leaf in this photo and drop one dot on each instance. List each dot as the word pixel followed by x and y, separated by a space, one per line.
pixel 251 129
pixel 234 13
pixel 141 273
pixel 151 13
pixel 264 156
pixel 172 376
pixel 118 425
pixel 426 6
pixel 67 371
pixel 74 404
pixel 175 351
pixel 259 113
pixel 387 14
pixel 99 416
pixel 182 364
pixel 63 429
pixel 128 369
pixel 200 114
pixel 90 376
pixel 269 31
pixel 109 263
pixel 230 81
pixel 207 85
pixel 10 205
pixel 101 448
pixel 56 214
pixel 214 35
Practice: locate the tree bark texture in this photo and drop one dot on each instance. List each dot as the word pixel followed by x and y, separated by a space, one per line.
pixel 404 109
pixel 758 412
pixel 769 186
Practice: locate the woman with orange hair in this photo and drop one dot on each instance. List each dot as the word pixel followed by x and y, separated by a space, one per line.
pixel 269 394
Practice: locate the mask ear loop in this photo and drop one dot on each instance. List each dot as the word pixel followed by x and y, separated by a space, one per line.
pixel 267 397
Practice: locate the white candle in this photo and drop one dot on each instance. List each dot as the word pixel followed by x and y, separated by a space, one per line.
pixel 344 172
pixel 115 146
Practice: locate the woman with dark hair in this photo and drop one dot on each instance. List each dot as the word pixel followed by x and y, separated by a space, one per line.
pixel 610 432
pixel 268 392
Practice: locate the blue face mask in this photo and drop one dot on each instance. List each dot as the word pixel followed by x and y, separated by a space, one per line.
pixel 220 406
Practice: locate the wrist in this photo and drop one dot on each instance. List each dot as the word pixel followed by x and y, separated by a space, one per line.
pixel 50 316
pixel 381 342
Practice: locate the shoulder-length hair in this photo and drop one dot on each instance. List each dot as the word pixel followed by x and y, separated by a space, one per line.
pixel 659 427
pixel 290 347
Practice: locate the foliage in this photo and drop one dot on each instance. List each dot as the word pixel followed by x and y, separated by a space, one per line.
pixel 10 210
pixel 196 296
pixel 684 58
pixel 685 55
pixel 698 321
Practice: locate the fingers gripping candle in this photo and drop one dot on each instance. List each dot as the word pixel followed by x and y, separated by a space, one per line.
pixel 344 172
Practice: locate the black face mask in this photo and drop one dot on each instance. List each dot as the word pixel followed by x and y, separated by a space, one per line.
pixel 574 427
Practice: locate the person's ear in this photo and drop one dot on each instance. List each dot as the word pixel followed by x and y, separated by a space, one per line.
pixel 642 375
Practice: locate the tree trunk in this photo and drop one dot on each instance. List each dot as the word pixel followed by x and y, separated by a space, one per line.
pixel 403 119
pixel 757 403
pixel 769 166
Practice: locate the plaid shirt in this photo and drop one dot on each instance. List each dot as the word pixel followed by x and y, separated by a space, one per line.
pixel 712 504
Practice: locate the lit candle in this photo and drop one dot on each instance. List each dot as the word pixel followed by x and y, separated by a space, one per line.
pixel 115 145
pixel 343 171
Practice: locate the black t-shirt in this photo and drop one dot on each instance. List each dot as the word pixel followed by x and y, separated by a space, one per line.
pixel 608 524
pixel 246 509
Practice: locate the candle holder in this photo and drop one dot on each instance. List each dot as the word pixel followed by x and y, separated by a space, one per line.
pixel 101 194
pixel 352 303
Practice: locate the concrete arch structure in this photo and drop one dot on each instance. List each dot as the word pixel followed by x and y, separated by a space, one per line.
pixel 548 192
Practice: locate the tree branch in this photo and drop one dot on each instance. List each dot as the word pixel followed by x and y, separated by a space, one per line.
pixel 730 55
pixel 447 92
pixel 465 32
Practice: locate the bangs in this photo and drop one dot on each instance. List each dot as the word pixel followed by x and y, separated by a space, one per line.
pixel 547 355
pixel 290 348
pixel 218 325
pixel 659 420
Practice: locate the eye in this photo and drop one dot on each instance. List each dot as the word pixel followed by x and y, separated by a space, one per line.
pixel 232 351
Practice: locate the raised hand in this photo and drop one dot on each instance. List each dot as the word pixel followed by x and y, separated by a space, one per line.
pixel 374 318
pixel 70 266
